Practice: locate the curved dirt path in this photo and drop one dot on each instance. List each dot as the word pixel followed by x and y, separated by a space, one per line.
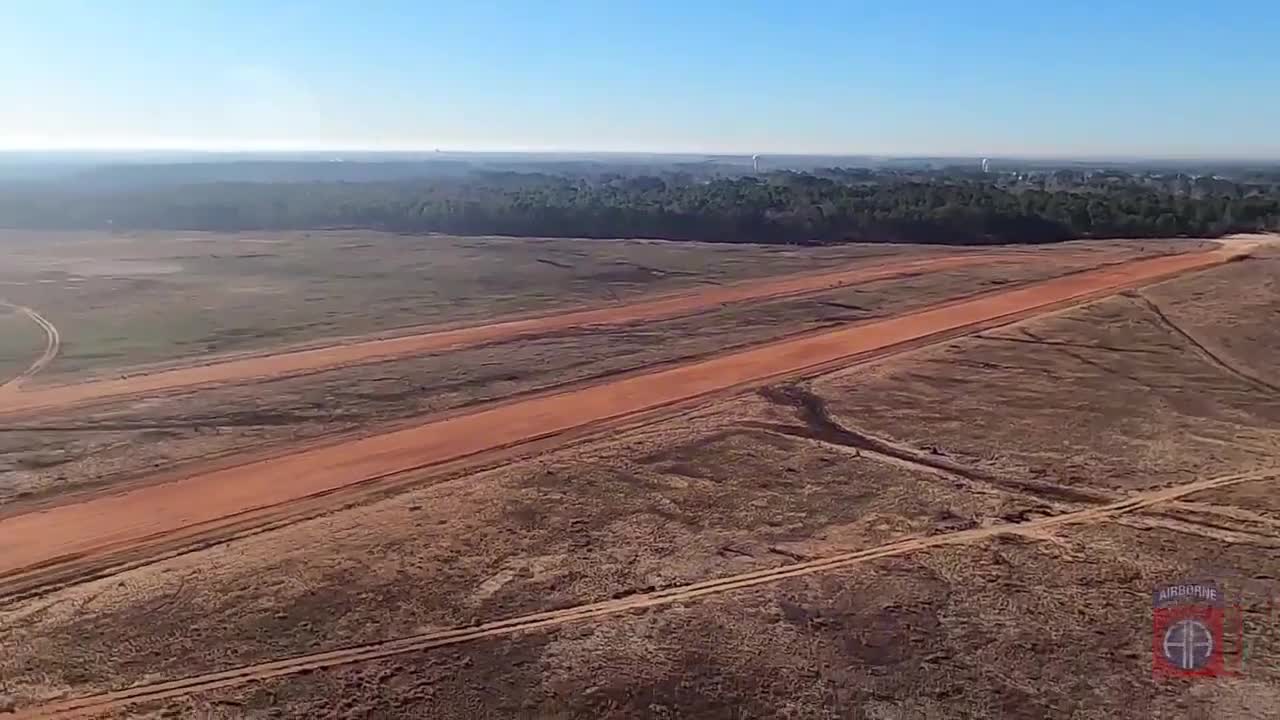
pixel 92 705
pixel 68 542
pixel 302 361
pixel 53 342
pixel 1203 351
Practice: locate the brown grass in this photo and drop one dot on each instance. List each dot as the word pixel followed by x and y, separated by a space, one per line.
pixel 128 299
pixel 92 447
pixel 1054 415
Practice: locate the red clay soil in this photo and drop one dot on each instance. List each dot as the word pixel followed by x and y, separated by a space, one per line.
pixel 284 364
pixel 102 525
pixel 88 706
pixel 599 611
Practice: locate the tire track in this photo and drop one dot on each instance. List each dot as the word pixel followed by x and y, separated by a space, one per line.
pixel 1199 347
pixel 336 354
pixel 68 543
pixel 820 426
pixel 90 705
pixel 53 343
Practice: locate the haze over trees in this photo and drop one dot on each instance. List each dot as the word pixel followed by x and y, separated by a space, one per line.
pixel 675 201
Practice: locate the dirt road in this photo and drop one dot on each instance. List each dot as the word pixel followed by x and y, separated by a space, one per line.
pixel 53 341
pixel 311 360
pixel 151 518
pixel 96 704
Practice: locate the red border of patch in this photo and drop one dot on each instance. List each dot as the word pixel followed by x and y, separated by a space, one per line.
pixel 1163 618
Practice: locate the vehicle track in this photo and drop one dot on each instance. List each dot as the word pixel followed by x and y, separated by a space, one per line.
pixel 53 342
pixel 1209 356
pixel 820 426
pixel 309 360
pixel 82 540
pixel 90 705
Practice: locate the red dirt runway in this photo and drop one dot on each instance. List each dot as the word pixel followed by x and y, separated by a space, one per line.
pixel 297 362
pixel 99 526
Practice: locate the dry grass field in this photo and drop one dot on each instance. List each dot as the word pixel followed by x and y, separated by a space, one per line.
pixel 138 298
pixel 79 447
pixel 969 528
pixel 20 341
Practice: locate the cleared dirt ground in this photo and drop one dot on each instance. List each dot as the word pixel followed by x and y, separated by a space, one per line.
pixel 1023 428
pixel 355 352
pixel 128 299
pixel 123 300
pixel 98 446
pixel 202 504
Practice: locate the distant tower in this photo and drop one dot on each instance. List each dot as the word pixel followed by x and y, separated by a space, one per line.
pixel 755 163
pixel 986 165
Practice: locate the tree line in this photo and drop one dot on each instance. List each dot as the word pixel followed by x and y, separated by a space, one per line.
pixel 783 207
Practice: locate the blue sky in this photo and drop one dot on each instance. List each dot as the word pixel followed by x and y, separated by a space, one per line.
pixel 1167 77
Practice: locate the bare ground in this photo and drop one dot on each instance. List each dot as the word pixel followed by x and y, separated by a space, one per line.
pixel 127 299
pixel 123 300
pixel 90 447
pixel 1140 389
pixel 1049 417
pixel 1009 628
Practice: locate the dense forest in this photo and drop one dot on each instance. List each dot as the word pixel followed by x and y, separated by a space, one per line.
pixel 822 206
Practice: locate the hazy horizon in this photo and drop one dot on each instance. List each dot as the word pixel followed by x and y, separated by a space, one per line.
pixel 1154 80
pixel 420 154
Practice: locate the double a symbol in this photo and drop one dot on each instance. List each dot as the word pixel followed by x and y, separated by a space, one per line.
pixel 1188 644
pixel 1187 629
